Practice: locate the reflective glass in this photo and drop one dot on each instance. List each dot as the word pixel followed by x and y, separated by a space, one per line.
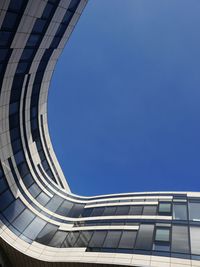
pixel 112 239
pixel 34 228
pixel 164 208
pixel 180 239
pixel 14 210
pixel 179 212
pixel 194 211
pixel 22 221
pixel 122 210
pixel 46 234
pixel 97 239
pixel 162 234
pixel 127 239
pixel 136 210
pixel 71 239
pixel 84 239
pixel 150 210
pixel 5 199
pixel 97 211
pixel 58 239
pixel 195 239
pixel 4 38
pixel 9 20
pixel 109 211
pixel 145 237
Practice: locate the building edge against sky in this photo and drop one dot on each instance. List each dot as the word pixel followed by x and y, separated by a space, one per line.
pixel 42 222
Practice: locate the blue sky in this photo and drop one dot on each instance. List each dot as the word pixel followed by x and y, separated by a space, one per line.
pixel 124 112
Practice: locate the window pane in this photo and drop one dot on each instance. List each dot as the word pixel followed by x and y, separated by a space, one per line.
pixel 135 210
pixel 112 239
pixel 14 210
pixel 194 211
pixel 165 208
pixel 122 210
pixel 34 228
pixel 149 210
pixel 84 239
pixel 46 234
pixel 9 20
pixel 21 222
pixel 58 239
pixel 162 234
pixel 97 211
pixel 180 241
pixel 70 239
pixel 109 211
pixel 195 239
pixel 179 212
pixel 128 239
pixel 97 239
pixel 145 237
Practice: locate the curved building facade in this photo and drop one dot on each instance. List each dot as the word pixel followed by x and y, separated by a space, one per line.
pixel 42 223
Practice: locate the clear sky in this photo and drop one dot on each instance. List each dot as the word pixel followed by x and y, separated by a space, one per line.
pixel 124 104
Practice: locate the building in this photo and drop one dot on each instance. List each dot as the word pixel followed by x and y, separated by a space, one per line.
pixel 42 222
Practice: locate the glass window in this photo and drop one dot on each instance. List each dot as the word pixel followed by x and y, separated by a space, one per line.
pixel 67 17
pixel 23 169
pixel 43 199
pixel 73 5
pixel 13 108
pixel 46 234
pixel 97 239
pixel 87 212
pixel 4 38
pixel 145 237
pixel 97 211
pixel 180 212
pixel 164 208
pixel 194 211
pixel 54 203
pixel 112 239
pixel 180 239
pixel 27 53
pixel 34 190
pixel 122 210
pixel 84 239
pixel 195 239
pixel 64 208
pixel 70 240
pixel 5 199
pixel 28 180
pixel 128 239
pixel 39 26
pixel 3 185
pixel 161 247
pixel 3 54
pixel 15 5
pixel 22 67
pixel 58 239
pixel 23 220
pixel 14 210
pixel 33 40
pixel 109 211
pixel 47 11
pixel 76 210
pixel 34 228
pixel 150 210
pixel 135 210
pixel 162 234
pixel 9 20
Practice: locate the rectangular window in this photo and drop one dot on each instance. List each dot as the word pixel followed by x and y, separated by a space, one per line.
pixel 194 211
pixel 122 210
pixel 145 237
pixel 195 239
pixel 180 239
pixel 97 211
pixel 136 210
pixel 9 21
pixel 97 239
pixel 84 239
pixel 109 211
pixel 46 234
pixel 112 239
pixel 34 228
pixel 179 211
pixel 164 208
pixel 150 210
pixel 4 38
pixel 58 239
pixel 162 235
pixel 127 240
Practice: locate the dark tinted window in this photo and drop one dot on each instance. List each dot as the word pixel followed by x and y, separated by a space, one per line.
pixel 58 239
pixel 39 26
pixel 180 239
pixel 14 210
pixel 3 54
pixel 71 239
pixel 112 239
pixel 109 211
pixel 23 220
pixel 145 237
pixel 97 211
pixel 128 239
pixel 34 228
pixel 122 210
pixel 9 20
pixel 33 40
pixel 180 212
pixel 84 239
pixel 4 38
pixel 97 239
pixel 5 199
pixel 27 53
pixel 149 210
pixel 46 234
pixel 135 210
